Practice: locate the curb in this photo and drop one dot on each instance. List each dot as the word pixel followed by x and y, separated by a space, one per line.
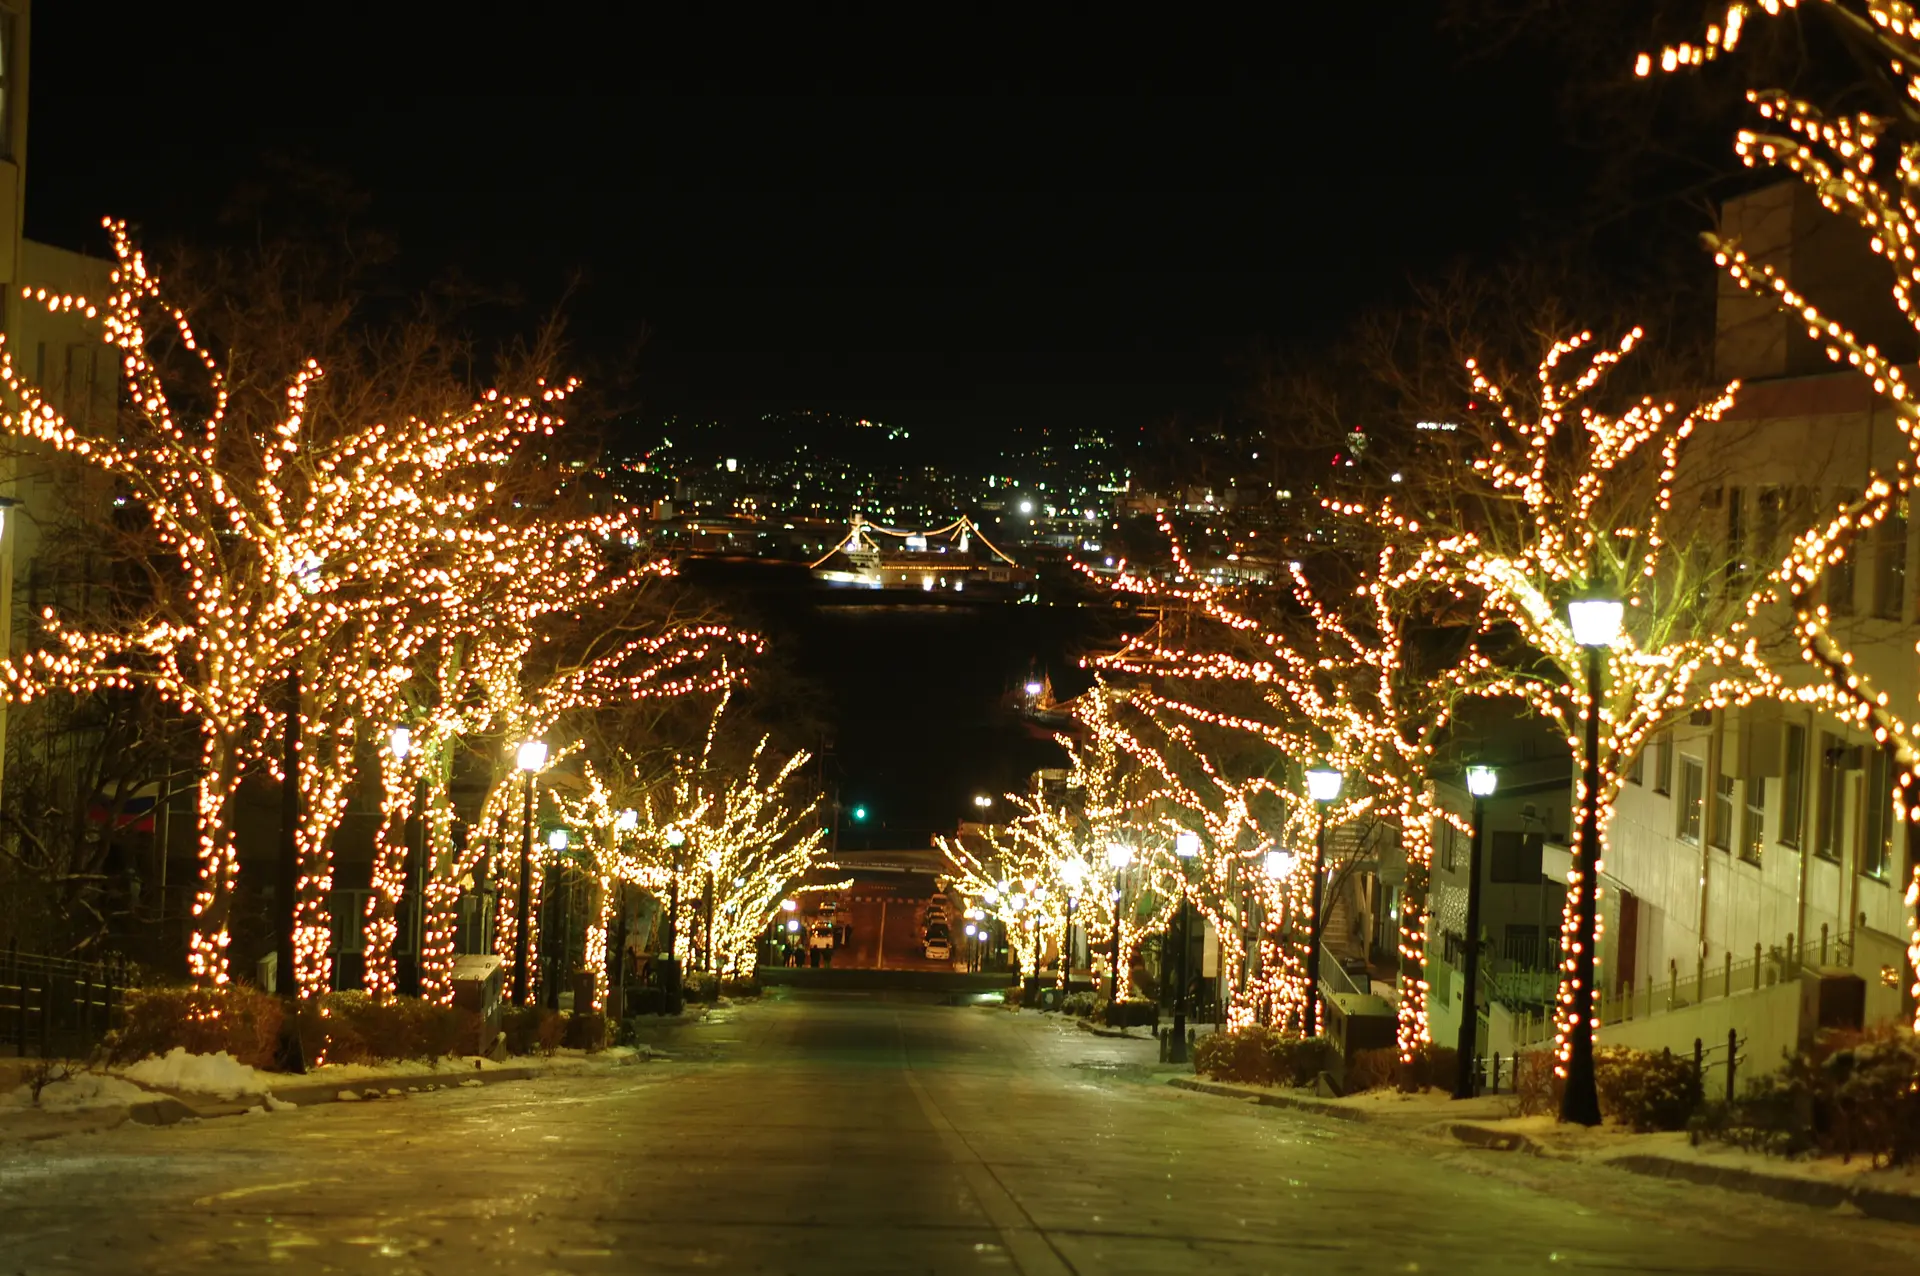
pixel 1118 1034
pixel 1271 1099
pixel 1894 1207
pixel 1496 1140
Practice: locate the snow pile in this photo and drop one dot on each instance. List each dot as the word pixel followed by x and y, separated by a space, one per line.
pixel 217 1074
pixel 81 1092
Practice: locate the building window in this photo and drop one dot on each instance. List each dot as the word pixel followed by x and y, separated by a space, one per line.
pixel 1692 799
pixel 1721 830
pixel 1890 567
pixel 1663 762
pixel 1876 841
pixel 6 84
pixel 1449 837
pixel 1753 821
pixel 1766 525
pixel 1516 857
pixel 1793 784
pixel 1826 797
pixel 1637 770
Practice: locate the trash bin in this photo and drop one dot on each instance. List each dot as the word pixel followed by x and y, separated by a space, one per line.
pixel 478 980
pixel 666 972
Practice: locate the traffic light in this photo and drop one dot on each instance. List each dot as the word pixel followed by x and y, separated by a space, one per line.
pixel 859 815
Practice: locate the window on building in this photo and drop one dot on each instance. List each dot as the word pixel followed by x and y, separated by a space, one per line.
pixel 1693 785
pixel 1720 830
pixel 1520 944
pixel 1890 567
pixel 1516 857
pixel 6 84
pixel 1637 769
pixel 1793 784
pixel 1827 796
pixel 1769 504
pixel 1876 841
pixel 1840 574
pixel 1753 821
pixel 1449 838
pixel 1663 762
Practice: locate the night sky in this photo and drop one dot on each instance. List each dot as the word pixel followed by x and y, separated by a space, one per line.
pixel 952 229
pixel 959 229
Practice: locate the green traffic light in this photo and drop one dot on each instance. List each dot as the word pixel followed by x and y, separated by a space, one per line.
pixel 859 814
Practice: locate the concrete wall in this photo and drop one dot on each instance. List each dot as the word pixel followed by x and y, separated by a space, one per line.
pixel 1773 1022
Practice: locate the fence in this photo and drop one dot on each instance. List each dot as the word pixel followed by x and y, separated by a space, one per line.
pixel 1726 1056
pixel 57 1008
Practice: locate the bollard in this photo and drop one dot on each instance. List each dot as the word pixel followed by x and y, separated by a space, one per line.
pixel 1756 965
pixel 1727 991
pixel 1823 943
pixel 1649 992
pixel 1733 1046
pixel 1496 1072
pixel 1791 963
pixel 1699 1062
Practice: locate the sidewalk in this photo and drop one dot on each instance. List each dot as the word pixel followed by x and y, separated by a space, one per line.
pixel 106 1099
pixel 1485 1122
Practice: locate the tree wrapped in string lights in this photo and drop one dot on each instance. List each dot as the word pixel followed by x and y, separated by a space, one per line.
pixel 744 836
pixel 1354 688
pixel 1863 167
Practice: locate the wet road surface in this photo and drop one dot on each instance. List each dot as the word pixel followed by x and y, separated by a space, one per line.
pixel 853 1134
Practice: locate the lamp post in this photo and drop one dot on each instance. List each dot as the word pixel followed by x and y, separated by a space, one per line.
pixel 1481 782
pixel 675 840
pixel 1075 874
pixel 1323 786
pixel 1596 626
pixel 626 821
pixel 1119 855
pixel 556 955
pixel 1186 845
pixel 1277 866
pixel 531 756
pixel 713 862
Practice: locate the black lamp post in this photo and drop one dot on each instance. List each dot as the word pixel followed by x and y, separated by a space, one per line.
pixel 1323 786
pixel 1185 846
pixel 1119 855
pixel 1596 626
pixel 531 756
pixel 1481 782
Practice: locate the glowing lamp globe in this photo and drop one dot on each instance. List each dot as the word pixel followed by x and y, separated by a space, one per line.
pixel 675 838
pixel 1074 872
pixel 401 742
pixel 1323 783
pixel 1482 781
pixel 1279 864
pixel 1596 621
pixel 789 905
pixel 972 930
pixel 531 756
pixel 1186 844
pixel 1034 688
pixel 792 925
pixel 557 840
pixel 1119 854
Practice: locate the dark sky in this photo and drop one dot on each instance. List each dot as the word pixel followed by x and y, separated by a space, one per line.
pixel 954 227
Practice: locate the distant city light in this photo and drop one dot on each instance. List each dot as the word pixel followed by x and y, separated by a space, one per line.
pixel 1026 507
pixel 1034 688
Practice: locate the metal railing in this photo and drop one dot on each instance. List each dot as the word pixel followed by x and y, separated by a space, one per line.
pixel 54 1007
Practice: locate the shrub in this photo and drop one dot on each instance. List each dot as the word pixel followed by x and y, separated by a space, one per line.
pixel 1376 1069
pixel 1132 1014
pixel 1235 1054
pixel 1536 1090
pixel 1013 996
pixel 1261 1056
pixel 1299 1061
pixel 242 1021
pixel 1080 1005
pixel 737 988
pixel 1849 1094
pixel 586 1030
pixel 645 1001
pixel 1644 1090
pixel 698 985
pixel 532 1028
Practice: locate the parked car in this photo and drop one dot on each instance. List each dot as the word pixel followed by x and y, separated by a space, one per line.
pixel 938 948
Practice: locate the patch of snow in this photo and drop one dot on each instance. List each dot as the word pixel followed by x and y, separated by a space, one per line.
pixel 219 1074
pixel 83 1091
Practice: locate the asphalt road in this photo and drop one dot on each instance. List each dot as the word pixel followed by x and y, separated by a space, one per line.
pixel 840 1135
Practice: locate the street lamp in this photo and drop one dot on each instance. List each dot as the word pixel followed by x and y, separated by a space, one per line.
pixel 1119 855
pixel 1323 786
pixel 627 821
pixel 557 840
pixel 675 840
pixel 1186 845
pixel 1481 782
pixel 982 801
pixel 1595 621
pixel 401 742
pixel 529 758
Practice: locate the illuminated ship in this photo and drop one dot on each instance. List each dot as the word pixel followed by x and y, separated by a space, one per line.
pixel 955 559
